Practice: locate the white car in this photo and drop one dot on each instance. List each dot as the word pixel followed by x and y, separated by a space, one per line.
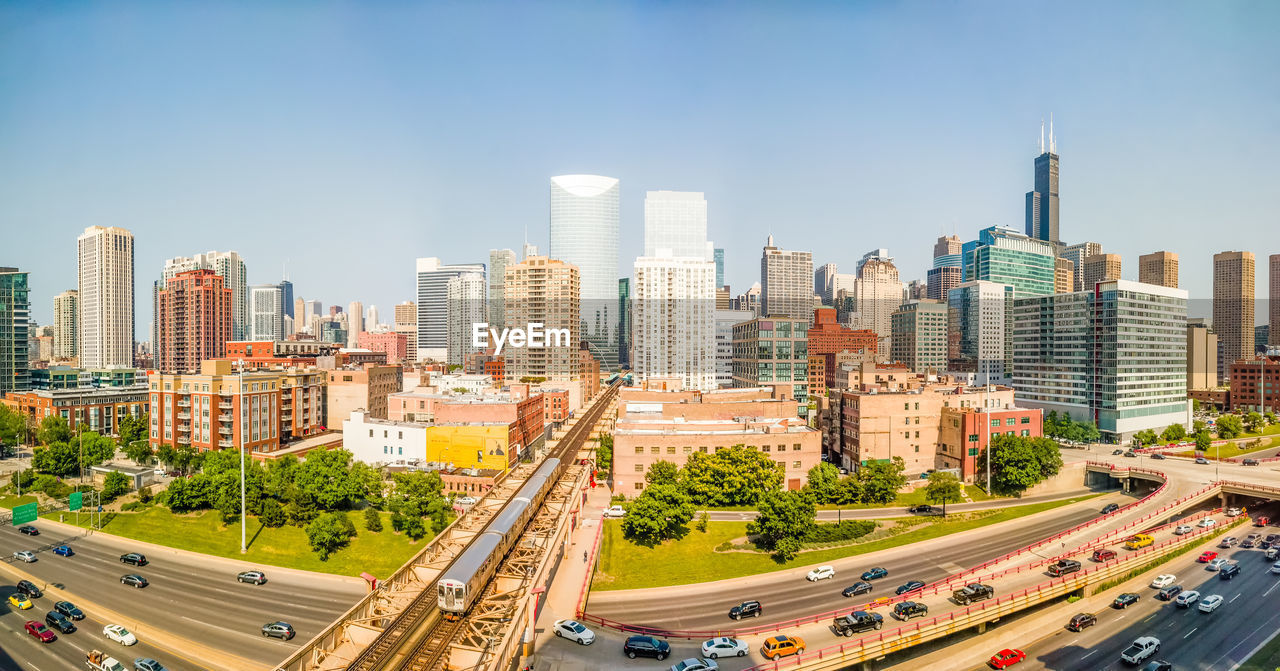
pixel 1182 529
pixel 821 573
pixel 465 500
pixel 695 664
pixel 1163 581
pixel 614 512
pixel 574 631
pixel 1210 603
pixel 1187 598
pixel 24 555
pixel 1206 522
pixel 1275 568
pixel 119 634
pixel 1232 512
pixel 724 646
pixel 1216 565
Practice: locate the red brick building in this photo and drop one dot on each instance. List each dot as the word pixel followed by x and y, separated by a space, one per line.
pixel 827 338
pixel 555 405
pixel 193 320
pixel 394 345
pixel 496 368
pixel 1255 384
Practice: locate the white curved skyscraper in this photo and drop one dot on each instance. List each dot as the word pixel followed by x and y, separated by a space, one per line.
pixel 584 233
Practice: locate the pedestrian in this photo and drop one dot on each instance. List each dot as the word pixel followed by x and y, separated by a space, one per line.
pixel 584 555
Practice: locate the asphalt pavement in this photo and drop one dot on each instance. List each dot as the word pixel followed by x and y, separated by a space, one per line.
pixel 902 511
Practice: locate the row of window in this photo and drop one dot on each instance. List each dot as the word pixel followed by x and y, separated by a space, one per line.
pixel 795 447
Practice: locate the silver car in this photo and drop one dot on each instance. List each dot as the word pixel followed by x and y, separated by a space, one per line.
pixel 24 555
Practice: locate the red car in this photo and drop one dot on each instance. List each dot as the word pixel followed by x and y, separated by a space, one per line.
pixel 38 630
pixel 1207 556
pixel 1006 658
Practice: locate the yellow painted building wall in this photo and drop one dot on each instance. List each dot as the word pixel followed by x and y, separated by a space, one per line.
pixel 469 446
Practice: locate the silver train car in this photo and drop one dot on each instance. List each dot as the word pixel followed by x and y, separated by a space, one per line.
pixel 464 580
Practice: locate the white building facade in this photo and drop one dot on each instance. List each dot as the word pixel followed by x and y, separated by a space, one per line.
pixel 105 289
pixel 467 306
pixel 584 234
pixel 433 304
pixel 266 310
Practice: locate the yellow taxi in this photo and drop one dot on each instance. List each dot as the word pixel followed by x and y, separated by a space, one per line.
pixel 19 601
pixel 776 647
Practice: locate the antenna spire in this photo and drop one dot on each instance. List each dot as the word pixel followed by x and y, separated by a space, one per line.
pixel 1053 146
pixel 1041 135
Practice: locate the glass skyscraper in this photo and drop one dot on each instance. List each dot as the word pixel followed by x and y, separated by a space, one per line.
pixel 15 324
pixel 584 233
pixel 719 256
pixel 1006 256
pixel 1042 202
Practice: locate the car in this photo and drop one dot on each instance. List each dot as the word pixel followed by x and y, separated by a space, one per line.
pixel 1272 538
pixel 1125 600
pixel 1275 568
pixel 25 556
pixel 59 621
pixel 860 587
pixel 1169 592
pixel 1250 462
pixel 1210 603
pixel 133 558
pixel 134 580
pixel 1182 529
pixel 1104 554
pixel 972 592
pixel 1206 523
pixel 695 664
pixel 1130 453
pixel 19 601
pixel 40 632
pixel 281 630
pixel 1164 580
pixel 1110 508
pixel 614 512
pixel 29 589
pixel 1201 460
pixel 465 500
pixel 1079 621
pixel 147 664
pixel 857 622
pixel 1228 542
pixel 1216 564
pixel 1158 665
pixel 746 609
pixel 646 646
pixel 29 530
pixel 255 577
pixel 1063 567
pixel 877 572
pixel 1141 648
pixel 1006 658
pixel 777 647
pixel 1116 453
pixel 69 609
pixel 1158 455
pixel 906 610
pixel 1187 598
pixel 724 646
pixel 1272 553
pixel 1229 571
pixel 1232 512
pixel 920 510
pixel 909 586
pixel 159 472
pixel 64 551
pixel 119 634
pixel 574 631
pixel 1207 556
pixel 821 573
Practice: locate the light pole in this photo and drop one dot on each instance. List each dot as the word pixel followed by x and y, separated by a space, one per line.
pixel 243 427
pixel 986 423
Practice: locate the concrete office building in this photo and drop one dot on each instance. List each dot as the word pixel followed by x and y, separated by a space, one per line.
pixel 1042 201
pixel 948 267
pixel 979 333
pixel 15 331
pixel 266 312
pixel 406 322
pixel 1233 318
pixel 355 322
pixel 920 335
pixel 1005 256
pixel 877 293
pixel 66 325
pixel 1077 253
pixel 584 234
pixel 1159 268
pixel 1064 273
pixel 433 304
pixel 467 306
pixel 1100 268
pixel 545 291
pixel 719 257
pixel 363 387
pixel 824 283
pixel 1115 356
pixel 1273 299
pixel 786 283
pixel 725 321
pixel 193 320
pixel 625 354
pixel 773 352
pixel 499 259
pixel 1202 355
pixel 105 287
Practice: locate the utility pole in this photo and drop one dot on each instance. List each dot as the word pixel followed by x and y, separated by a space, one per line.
pixel 243 427
pixel 986 423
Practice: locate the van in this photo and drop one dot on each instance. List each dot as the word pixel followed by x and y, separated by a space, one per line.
pixel 1139 541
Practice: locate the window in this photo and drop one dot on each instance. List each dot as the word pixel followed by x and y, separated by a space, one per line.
pixel 917 434
pixel 995 422
pixel 654 450
pixel 917 405
pixel 1026 432
pixel 402 451
pixel 906 434
pixel 906 420
pixel 639 468
pixel 795 464
pixel 671 450
pixel 766 448
pixel 1009 422
pixel 639 485
pixel 906 406
pixel 688 450
pixel 400 435
pixel 917 449
pixel 639 450
pixel 795 447
pixel 1025 420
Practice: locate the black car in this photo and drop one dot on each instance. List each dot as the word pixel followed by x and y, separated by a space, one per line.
pixel 1130 453
pixel 29 588
pixel 746 609
pixel 133 558
pixel 1247 543
pixel 857 622
pixel 1250 462
pixel 59 621
pixel 860 587
pixel 1125 600
pixel 1158 665
pixel 1116 453
pixel 909 586
pixel 69 609
pixel 1157 455
pixel 1168 593
pixel 646 646
pixel 1081 620
pixel 908 609
pixel 920 510
pixel 133 580
pixel 1110 508
pixel 29 530
pixel 877 572
pixel 1229 571
pixel 281 630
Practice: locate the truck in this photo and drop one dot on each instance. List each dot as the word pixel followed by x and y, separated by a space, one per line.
pixel 99 661
pixel 857 622
pixel 1139 541
pixel 970 593
pixel 1142 648
pixel 1063 567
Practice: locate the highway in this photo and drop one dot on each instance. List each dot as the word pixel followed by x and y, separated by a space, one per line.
pixel 190 596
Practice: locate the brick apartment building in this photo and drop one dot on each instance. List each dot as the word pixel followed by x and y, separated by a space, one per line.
pixel 365 387
pixel 193 320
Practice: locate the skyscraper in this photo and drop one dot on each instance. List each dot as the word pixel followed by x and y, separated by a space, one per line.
pixel 1159 268
pixel 355 322
pixel 15 331
pixel 1077 253
pixel 1042 202
pixel 1064 275
pixel 66 325
pixel 193 320
pixel 105 285
pixel 499 259
pixel 624 322
pixel 405 320
pixel 1273 299
pixel 824 279
pixel 877 294
pixel 979 331
pixel 371 318
pixel 947 271
pixel 719 267
pixel 467 306
pixel 1005 256
pixel 545 291
pixel 920 335
pixel 266 312
pixel 786 283
pixel 286 292
pixel 230 267
pixel 584 234
pixel 1100 268
pixel 433 304
pixel 1233 295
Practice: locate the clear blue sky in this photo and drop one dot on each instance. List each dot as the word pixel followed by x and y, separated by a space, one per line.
pixel 349 138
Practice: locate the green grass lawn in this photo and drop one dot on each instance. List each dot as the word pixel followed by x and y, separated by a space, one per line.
pixel 9 500
pixel 1266 659
pixel 693 559
pixel 912 498
pixel 378 553
pixel 1231 449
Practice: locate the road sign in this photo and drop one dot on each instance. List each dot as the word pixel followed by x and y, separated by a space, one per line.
pixel 76 502
pixel 24 513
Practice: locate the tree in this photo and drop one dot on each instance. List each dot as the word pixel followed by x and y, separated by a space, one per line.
pixel 848 491
pixel 824 482
pixel 943 487
pixel 414 528
pixel 327 476
pixel 1253 421
pixel 329 533
pixel 132 429
pixel 53 429
pixel 12 429
pixel 1203 441
pixel 166 455
pixel 272 514
pixel 95 448
pixel 180 497
pixel 372 520
pixel 1195 405
pixel 1018 463
pixel 1271 417
pixel 138 451
pixel 115 485
pixel 736 475
pixel 881 480
pixel 1144 437
pixel 662 472
pixel 604 455
pixel 1230 426
pixel 57 458
pixel 1198 426
pixel 659 513
pixel 1173 433
pixel 781 516
pixel 1088 432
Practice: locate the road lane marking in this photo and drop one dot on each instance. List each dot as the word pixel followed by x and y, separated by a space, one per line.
pixel 1269 589
pixel 1090 653
pixel 1152 617
pixel 1192 631
pixel 1233 599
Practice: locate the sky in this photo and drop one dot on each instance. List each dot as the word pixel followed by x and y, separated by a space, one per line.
pixel 338 141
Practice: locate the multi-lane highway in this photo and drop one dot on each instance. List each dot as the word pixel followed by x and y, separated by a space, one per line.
pixel 192 597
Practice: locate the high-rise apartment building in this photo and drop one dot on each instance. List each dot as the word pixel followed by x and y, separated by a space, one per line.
pixel 1202 355
pixel 15 331
pixel 676 221
pixel 1077 253
pixel 786 283
pixel 1042 202
pixel 230 267
pixel 979 333
pixel 286 290
pixel 1076 354
pixel 1064 275
pixel 1233 296
pixel 193 320
pixel 1100 268
pixel 877 293
pixel 371 318
pixel 499 259
pixel 544 291
pixel 1273 299
pixel 266 312
pixel 749 300
pixel 355 322
pixel 66 325
pixel 719 256
pixel 624 322
pixel 467 306
pixel 406 322
pixel 725 321
pixel 1005 256
pixel 1160 268
pixel 948 267
pixel 920 335
pixel 824 283
pixel 584 234
pixel 105 286
pixel 433 304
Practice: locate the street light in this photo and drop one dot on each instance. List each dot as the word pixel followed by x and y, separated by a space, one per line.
pixel 243 427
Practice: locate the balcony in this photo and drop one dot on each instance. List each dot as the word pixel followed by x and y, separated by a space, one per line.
pixel 225 405
pixel 184 403
pixel 228 418
pixel 226 430
pixel 184 428
pixel 225 443
pixel 184 415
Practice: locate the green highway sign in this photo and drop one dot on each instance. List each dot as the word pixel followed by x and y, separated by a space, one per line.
pixel 77 501
pixel 24 513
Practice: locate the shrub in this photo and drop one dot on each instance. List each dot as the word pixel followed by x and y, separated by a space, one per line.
pixel 273 514
pixel 372 520
pixel 840 531
pixel 144 495
pixel 131 506
pixel 703 519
